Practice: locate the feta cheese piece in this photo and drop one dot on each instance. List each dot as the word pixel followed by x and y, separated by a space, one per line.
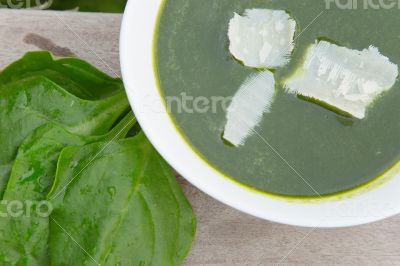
pixel 262 38
pixel 347 79
pixel 254 98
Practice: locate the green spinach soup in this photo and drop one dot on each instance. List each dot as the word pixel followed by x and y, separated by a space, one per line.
pixel 300 148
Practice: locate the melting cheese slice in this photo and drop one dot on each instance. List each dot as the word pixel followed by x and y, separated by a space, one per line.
pixel 262 38
pixel 347 79
pixel 254 98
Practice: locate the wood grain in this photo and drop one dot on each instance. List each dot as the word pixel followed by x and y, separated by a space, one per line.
pixel 224 235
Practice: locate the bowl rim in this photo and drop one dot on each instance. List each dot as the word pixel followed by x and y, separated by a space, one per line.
pixel 136 57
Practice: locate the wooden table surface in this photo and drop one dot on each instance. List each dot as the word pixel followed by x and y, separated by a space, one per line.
pixel 224 236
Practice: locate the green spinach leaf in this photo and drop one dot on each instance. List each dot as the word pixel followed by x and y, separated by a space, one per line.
pixel 61 124
pixel 72 74
pixel 25 105
pixel 113 6
pixel 70 92
pixel 123 208
pixel 23 239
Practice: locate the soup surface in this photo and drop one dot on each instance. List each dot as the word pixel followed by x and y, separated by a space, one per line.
pixel 300 148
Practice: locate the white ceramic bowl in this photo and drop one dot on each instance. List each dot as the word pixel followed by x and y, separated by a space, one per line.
pixel 379 200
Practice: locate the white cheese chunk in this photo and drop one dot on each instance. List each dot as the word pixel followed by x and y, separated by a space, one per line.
pixel 347 79
pixel 254 98
pixel 262 38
